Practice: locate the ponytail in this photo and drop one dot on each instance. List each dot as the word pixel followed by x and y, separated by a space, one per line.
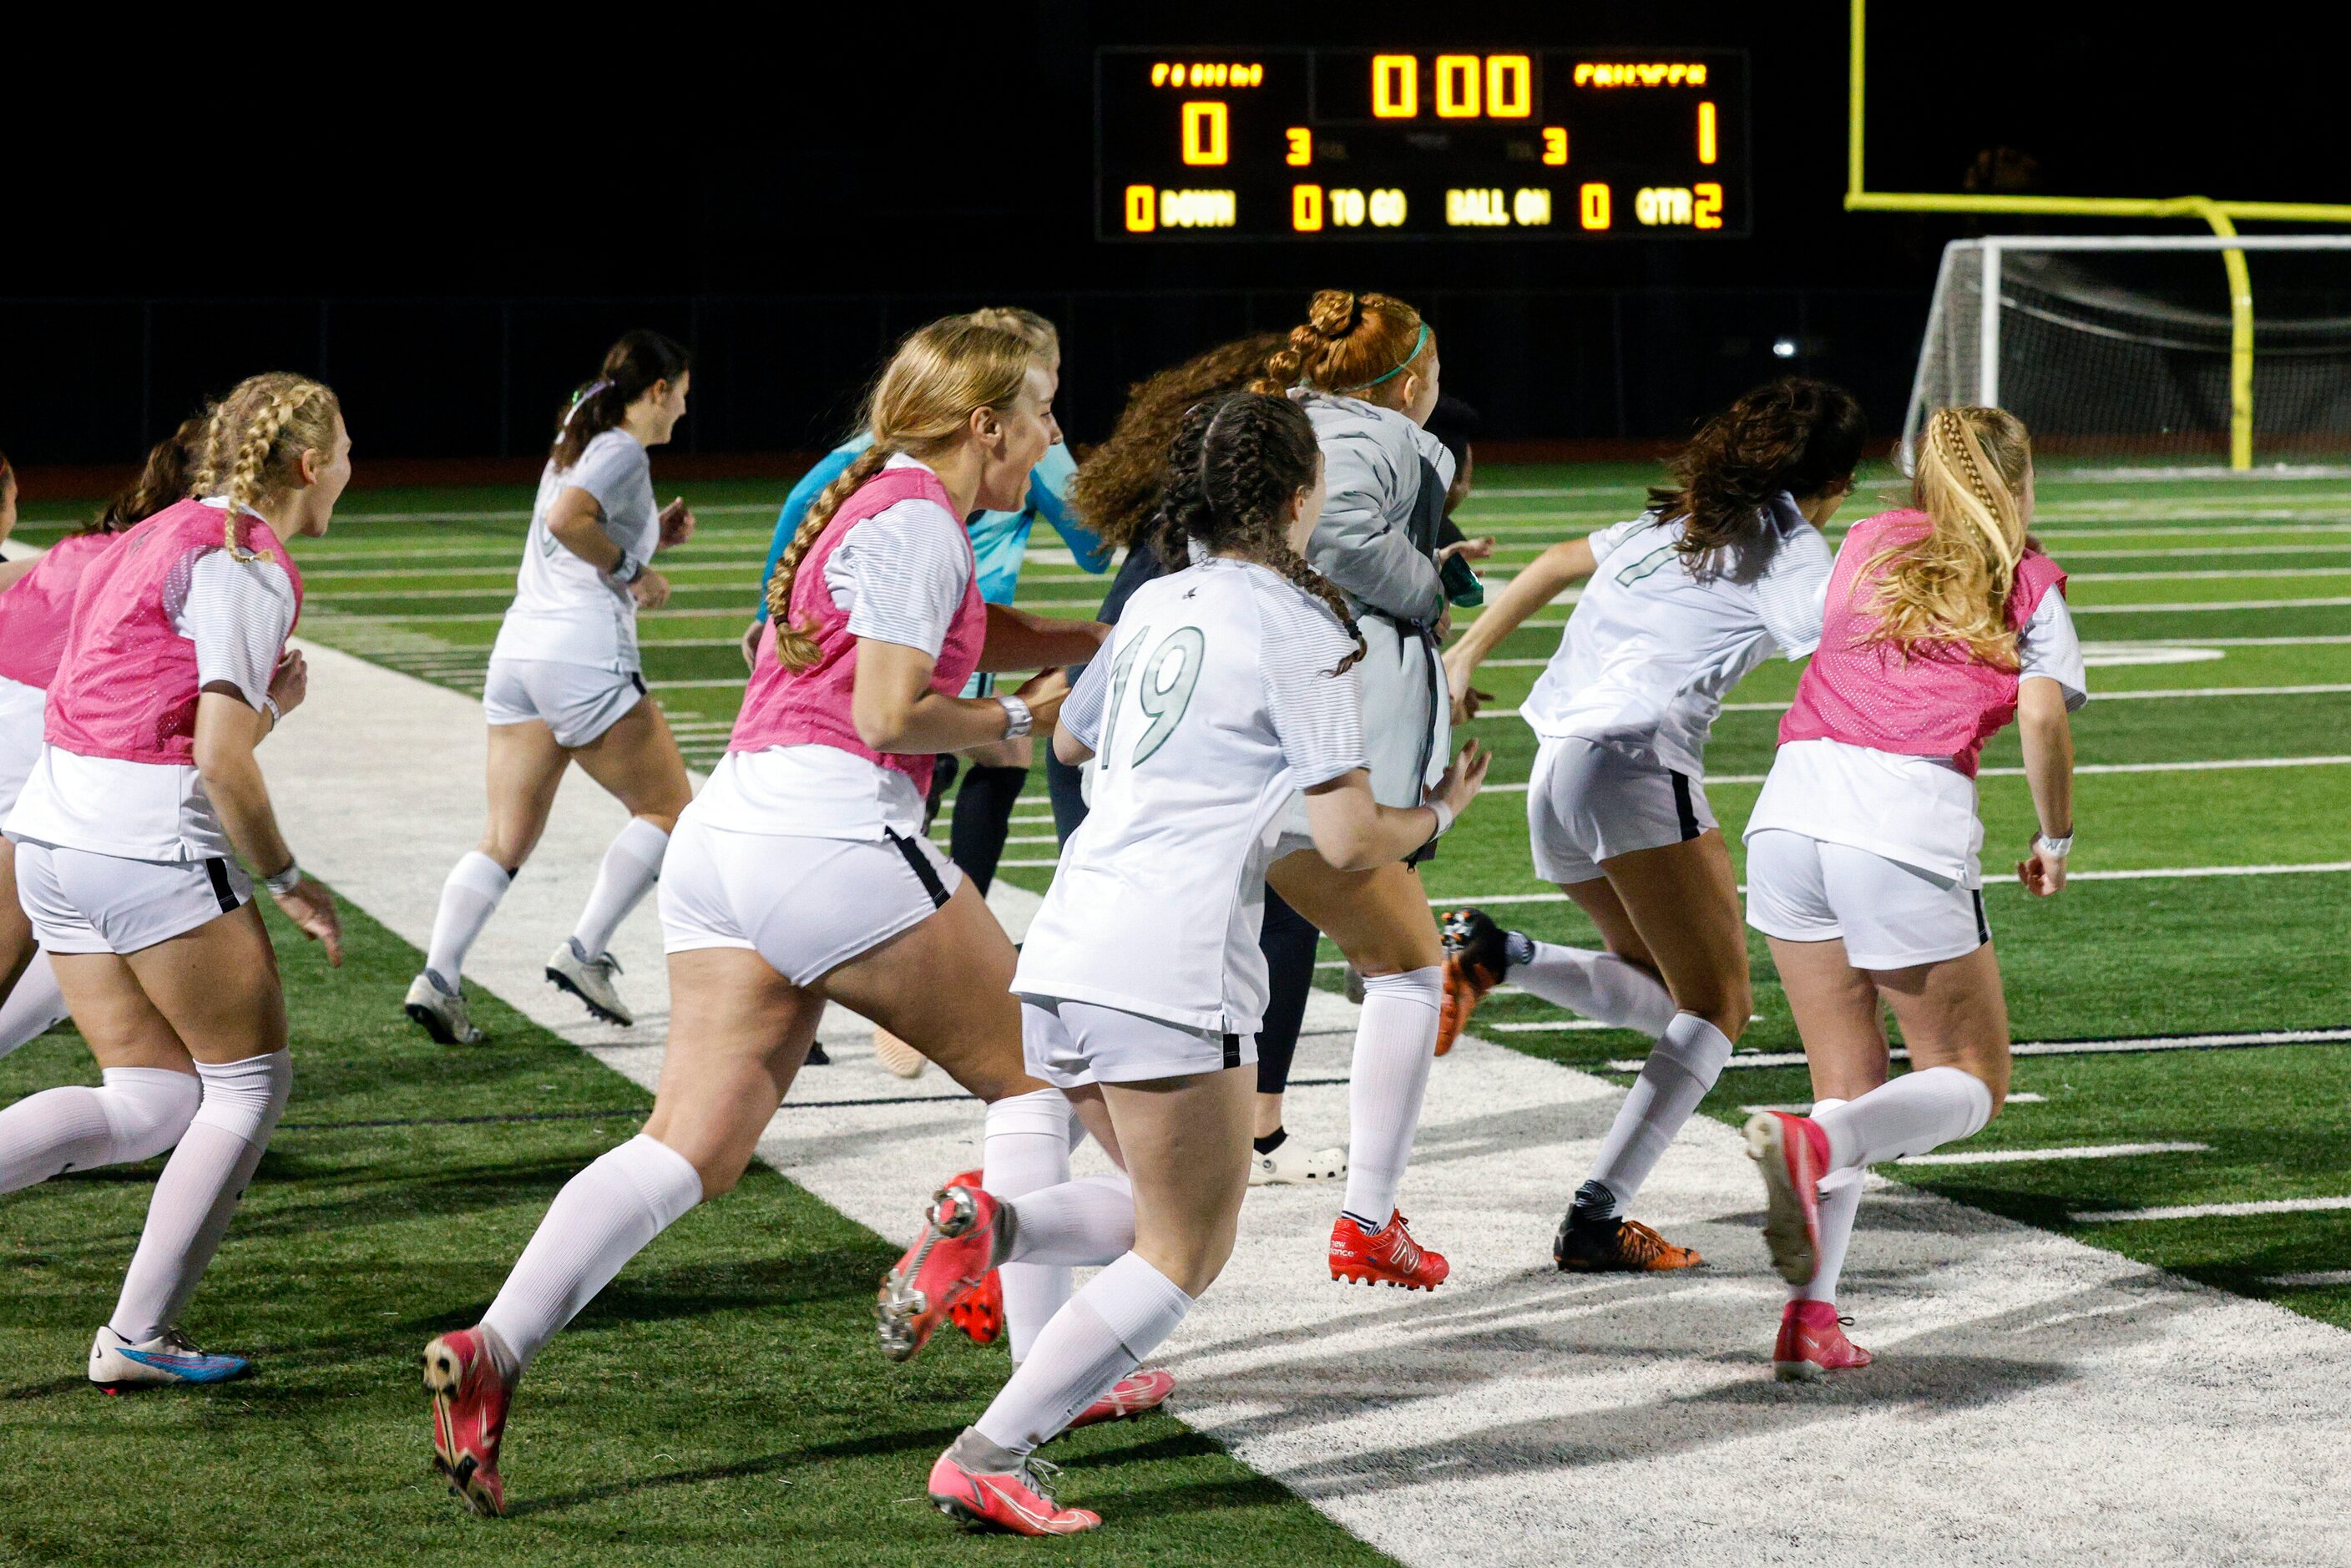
pixel 164 479
pixel 796 645
pixel 1953 584
pixel 1349 344
pixel 630 367
pixel 1796 435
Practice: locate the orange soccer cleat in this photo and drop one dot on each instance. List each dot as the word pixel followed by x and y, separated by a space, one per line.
pixel 946 1264
pixel 980 1314
pixel 1388 1256
pixel 1617 1246
pixel 1014 1500
pixel 1147 1389
pixel 469 1417
pixel 1794 1153
pixel 1812 1343
pixel 1475 962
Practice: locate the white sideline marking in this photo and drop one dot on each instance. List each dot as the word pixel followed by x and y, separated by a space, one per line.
pixel 2217 574
pixel 2334 604
pixel 2210 1210
pixel 2320 1281
pixel 1552 1026
pixel 1513 1410
pixel 1804 1107
pixel 2251 1040
pixel 2151 694
pixel 2067 1152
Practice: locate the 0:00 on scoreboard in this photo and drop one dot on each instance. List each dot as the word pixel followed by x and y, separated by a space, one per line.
pixel 1196 145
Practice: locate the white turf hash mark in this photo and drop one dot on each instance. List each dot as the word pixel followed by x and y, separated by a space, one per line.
pixel 1804 1107
pixel 2246 1039
pixel 2211 1210
pixel 2070 1152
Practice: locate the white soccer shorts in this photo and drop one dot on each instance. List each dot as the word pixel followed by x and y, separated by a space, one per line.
pixel 1070 1044
pixel 1889 916
pixel 79 901
pixel 576 702
pixel 1586 804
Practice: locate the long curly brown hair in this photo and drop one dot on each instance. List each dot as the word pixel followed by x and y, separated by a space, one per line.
pixel 162 481
pixel 1116 490
pixel 1797 435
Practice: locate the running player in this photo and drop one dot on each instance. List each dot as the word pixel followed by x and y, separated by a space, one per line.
pixel 566 683
pixel 1224 691
pixel 1944 621
pixel 37 599
pixel 128 835
pixel 800 875
pixel 1365 368
pixel 1726 567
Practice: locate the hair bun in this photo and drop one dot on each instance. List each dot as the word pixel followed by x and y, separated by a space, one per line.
pixel 1334 312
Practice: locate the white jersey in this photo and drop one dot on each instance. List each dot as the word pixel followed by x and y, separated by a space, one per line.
pixel 1918 811
pixel 565 609
pixel 1213 704
pixel 1651 648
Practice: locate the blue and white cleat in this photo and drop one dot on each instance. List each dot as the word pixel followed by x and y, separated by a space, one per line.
pixel 116 1364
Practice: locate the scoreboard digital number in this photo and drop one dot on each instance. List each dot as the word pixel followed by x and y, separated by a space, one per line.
pixel 1317 144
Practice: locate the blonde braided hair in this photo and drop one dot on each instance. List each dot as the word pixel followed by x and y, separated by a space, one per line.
pixel 920 406
pixel 1952 585
pixel 253 441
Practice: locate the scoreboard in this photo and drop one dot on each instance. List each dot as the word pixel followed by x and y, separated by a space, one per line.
pixel 1193 145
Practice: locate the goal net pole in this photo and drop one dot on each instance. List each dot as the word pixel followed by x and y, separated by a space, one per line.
pixel 2221 215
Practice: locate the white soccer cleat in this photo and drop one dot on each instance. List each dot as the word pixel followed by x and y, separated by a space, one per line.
pixel 896 1055
pixel 441 1014
pixel 1292 1166
pixel 589 980
pixel 165 1360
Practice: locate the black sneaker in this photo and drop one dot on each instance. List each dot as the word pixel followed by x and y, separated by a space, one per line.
pixel 1614 1245
pixel 1477 956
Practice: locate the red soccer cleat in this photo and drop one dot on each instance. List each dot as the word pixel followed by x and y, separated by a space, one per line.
pixel 1812 1343
pixel 1388 1256
pixel 1132 1395
pixel 1015 1500
pixel 980 1314
pixel 946 1262
pixel 1794 1153
pixel 469 1417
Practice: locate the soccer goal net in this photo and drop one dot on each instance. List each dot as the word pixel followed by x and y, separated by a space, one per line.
pixel 2163 349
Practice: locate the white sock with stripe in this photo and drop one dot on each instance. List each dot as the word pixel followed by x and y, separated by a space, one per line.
pixel 1682 1066
pixel 140 1112
pixel 1396 1040
pixel 603 1217
pixel 196 1195
pixel 631 865
pixel 33 1006
pixel 1907 1115
pixel 469 899
pixel 1123 1314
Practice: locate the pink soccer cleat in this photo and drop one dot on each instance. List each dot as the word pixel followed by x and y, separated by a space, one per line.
pixel 1014 1500
pixel 1793 1154
pixel 1132 1395
pixel 946 1262
pixel 1812 1343
pixel 981 1313
pixel 469 1417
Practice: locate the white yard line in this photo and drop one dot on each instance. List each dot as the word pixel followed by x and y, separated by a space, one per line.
pixel 1804 1107
pixel 2210 1210
pixel 2067 1152
pixel 1506 1419
pixel 2151 694
pixel 2323 1278
pixel 2252 1040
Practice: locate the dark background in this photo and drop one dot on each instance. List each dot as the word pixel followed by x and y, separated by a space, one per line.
pixel 450 221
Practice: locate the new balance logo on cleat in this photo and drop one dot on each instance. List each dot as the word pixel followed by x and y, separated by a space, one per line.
pixel 1388 1256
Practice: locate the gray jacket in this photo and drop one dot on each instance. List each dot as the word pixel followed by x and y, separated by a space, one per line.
pixel 1374 463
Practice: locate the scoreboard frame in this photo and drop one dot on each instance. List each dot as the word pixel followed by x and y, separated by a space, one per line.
pixel 1736 221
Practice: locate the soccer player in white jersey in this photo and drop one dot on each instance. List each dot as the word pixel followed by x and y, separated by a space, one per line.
pixel 1726 569
pixel 566 683
pixel 1225 689
pixel 799 876
pixel 1944 622
pixel 128 836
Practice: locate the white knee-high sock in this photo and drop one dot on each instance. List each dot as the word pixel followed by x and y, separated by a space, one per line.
pixel 1597 985
pixel 33 1006
pixel 1123 1315
pixel 603 1217
pixel 631 865
pixel 196 1195
pixel 140 1112
pixel 1025 1148
pixel 1909 1116
pixel 1840 1201
pixel 468 898
pixel 1084 1223
pixel 1682 1066
pixel 1396 1040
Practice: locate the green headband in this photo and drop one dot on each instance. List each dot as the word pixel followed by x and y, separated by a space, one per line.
pixel 1417 345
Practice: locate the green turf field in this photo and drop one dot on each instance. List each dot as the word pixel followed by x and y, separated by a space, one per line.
pixel 2217 613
